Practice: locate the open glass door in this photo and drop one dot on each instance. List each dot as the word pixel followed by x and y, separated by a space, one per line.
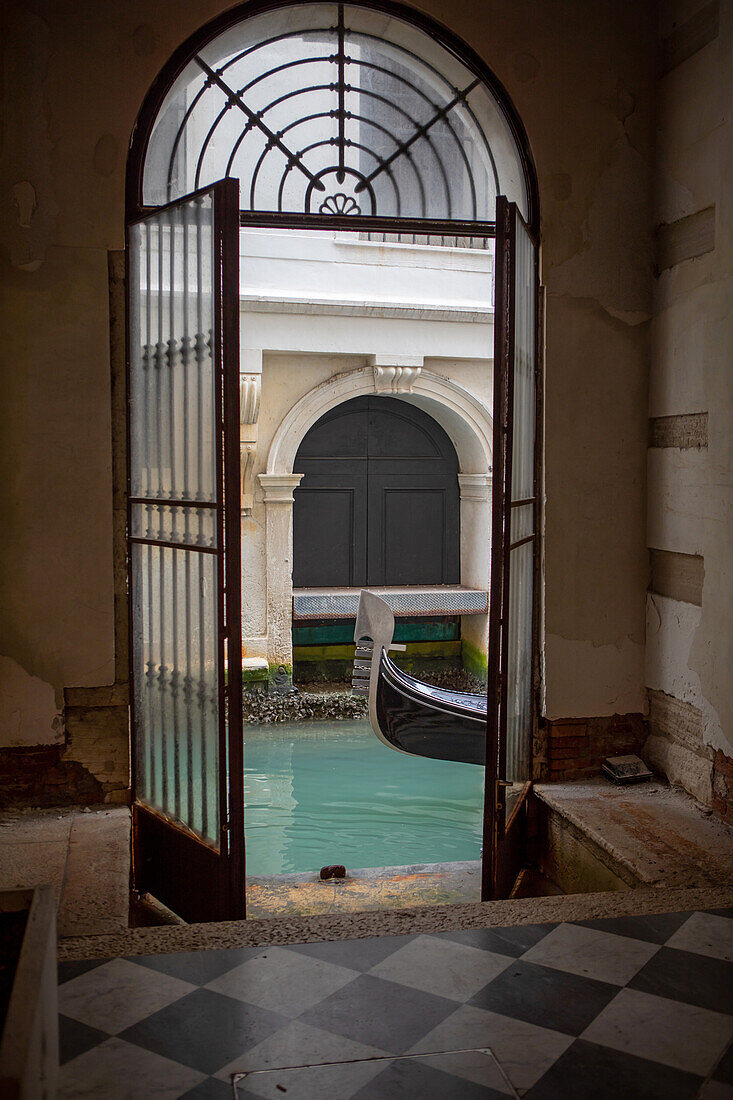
pixel 184 554
pixel 511 710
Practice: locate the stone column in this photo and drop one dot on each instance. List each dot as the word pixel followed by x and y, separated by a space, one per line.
pixel 278 489
pixel 475 492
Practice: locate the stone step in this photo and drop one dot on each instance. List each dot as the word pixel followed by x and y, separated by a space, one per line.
pixel 593 835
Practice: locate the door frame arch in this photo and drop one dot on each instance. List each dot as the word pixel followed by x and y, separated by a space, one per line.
pixel 426 390
pixel 438 31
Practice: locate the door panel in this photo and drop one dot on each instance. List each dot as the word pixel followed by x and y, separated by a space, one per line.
pixel 413 530
pixel 329 527
pixel 403 513
pixel 184 559
pixel 510 716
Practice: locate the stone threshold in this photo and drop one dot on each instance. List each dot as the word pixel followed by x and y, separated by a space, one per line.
pixel 364 889
pixel 397 922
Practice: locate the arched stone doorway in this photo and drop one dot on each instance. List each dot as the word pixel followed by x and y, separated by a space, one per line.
pixel 468 426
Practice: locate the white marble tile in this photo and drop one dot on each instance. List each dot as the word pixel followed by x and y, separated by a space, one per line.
pixel 283 981
pixel 705 934
pixel 443 967
pixel 118 994
pixel 319 1083
pixel 675 1034
pixel 116 1070
pixel 591 953
pixel 299 1044
pixel 524 1051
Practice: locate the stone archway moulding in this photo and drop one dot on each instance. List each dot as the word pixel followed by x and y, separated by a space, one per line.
pixel 465 419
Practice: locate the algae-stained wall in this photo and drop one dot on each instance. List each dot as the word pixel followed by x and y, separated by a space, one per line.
pixel 690 607
pixel 75 74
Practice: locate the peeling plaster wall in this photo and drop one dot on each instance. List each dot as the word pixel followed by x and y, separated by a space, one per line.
pixel 690 649
pixel 75 74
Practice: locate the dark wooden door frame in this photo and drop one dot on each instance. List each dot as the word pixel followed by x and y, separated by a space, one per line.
pixel 502 839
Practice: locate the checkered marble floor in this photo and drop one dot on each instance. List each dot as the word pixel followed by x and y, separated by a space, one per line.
pixel 632 1007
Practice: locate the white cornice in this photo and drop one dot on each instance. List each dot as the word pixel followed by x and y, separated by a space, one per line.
pixel 353 307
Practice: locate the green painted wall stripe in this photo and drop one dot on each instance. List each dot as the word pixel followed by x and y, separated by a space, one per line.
pixel 342 633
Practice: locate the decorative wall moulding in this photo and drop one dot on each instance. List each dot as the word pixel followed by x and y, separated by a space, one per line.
pixel 396 374
pixel 250 387
pixel 279 488
pixel 475 487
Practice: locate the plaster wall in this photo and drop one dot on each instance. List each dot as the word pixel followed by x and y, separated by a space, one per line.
pixel 690 649
pixel 75 74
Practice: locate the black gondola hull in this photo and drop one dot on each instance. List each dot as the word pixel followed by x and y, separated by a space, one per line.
pixel 422 720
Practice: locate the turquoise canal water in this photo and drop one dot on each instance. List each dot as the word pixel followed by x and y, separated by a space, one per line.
pixel 331 792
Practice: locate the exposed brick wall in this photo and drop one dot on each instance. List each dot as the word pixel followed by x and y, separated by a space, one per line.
pixel 91 765
pixel 723 786
pixel 38 776
pixel 576 747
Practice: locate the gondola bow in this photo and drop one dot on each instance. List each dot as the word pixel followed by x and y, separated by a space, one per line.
pixel 406 713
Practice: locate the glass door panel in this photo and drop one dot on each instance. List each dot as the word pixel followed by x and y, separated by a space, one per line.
pixel 183 534
pixel 513 550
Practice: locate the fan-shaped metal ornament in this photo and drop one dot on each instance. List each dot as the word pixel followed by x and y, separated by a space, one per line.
pixel 356 116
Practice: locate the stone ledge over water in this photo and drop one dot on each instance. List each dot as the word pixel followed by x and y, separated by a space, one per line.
pixel 335 701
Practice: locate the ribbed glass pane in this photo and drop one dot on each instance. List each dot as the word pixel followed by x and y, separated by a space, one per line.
pixel 172 377
pixel 174 426
pixel 524 367
pixel 522 522
pixel 519 663
pixel 187 525
pixel 521 559
pixel 176 675
pixel 369 116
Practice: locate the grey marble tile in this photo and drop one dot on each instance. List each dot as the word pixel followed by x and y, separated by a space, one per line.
pixel 296 1043
pixel 705 934
pixel 546 997
pixel 204 1030
pixel 513 940
pixel 716 1090
pixel 684 976
pixel 588 1071
pixel 116 1070
pixel 379 1013
pixel 591 953
pixel 724 1069
pixel 198 967
pixel 409 1080
pixel 283 981
pixel 679 1035
pixel 656 927
pixel 118 994
pixel 310 1084
pixel 355 954
pixel 76 1038
pixel 524 1050
pixel 440 966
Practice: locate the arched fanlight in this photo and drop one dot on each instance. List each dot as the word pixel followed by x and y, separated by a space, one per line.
pixel 336 109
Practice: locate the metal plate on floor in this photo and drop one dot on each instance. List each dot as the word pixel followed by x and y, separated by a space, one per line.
pixel 625 769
